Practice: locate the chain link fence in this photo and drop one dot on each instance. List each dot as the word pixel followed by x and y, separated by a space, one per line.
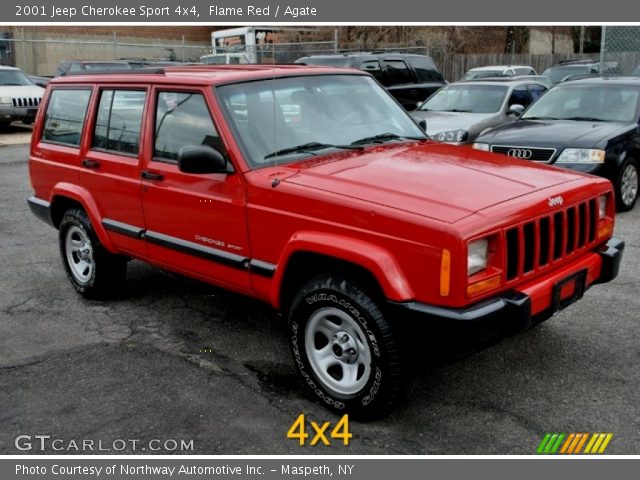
pixel 287 52
pixel 621 45
pixel 39 53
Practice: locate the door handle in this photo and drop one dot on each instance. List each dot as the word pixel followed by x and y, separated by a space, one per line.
pixel 86 163
pixel 152 176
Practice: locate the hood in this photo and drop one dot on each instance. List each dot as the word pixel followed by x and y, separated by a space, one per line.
pixel 21 91
pixel 444 121
pixel 558 133
pixel 434 180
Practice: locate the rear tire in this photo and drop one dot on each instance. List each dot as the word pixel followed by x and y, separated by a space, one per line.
pixel 344 348
pixel 627 185
pixel 93 271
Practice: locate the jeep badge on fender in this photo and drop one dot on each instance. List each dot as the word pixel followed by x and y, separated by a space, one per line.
pixel 311 189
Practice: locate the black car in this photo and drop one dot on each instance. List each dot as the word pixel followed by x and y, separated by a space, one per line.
pixel 77 66
pixel 410 78
pixel 570 69
pixel 590 125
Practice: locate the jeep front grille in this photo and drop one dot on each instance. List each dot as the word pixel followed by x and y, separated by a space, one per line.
pixel 536 244
pixel 26 101
pixel 525 153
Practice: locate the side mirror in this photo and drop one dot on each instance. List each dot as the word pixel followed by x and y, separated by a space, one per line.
pixel 516 110
pixel 422 124
pixel 202 159
pixel 418 105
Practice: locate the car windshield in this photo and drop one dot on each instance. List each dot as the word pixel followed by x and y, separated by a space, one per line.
pixel 287 118
pixel 558 74
pixel 606 103
pixel 14 77
pixel 467 98
pixel 470 75
pixel 106 67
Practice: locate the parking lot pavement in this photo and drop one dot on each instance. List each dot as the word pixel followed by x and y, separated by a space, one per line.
pixel 15 134
pixel 176 359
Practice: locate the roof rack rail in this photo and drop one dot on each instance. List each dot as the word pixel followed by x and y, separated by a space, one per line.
pixel 135 71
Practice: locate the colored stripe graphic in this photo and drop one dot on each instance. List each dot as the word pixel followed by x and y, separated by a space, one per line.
pixel 572 443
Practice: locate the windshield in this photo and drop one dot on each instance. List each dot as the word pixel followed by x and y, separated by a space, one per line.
pixel 106 67
pixel 308 113
pixel 557 74
pixel 467 98
pixel 470 75
pixel 607 103
pixel 14 77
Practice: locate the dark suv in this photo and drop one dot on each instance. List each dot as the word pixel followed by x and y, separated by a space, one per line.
pixel 410 78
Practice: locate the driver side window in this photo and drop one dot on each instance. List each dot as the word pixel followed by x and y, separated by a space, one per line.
pixel 182 118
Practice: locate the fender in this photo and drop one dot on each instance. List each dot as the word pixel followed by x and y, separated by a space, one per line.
pixel 82 196
pixel 373 258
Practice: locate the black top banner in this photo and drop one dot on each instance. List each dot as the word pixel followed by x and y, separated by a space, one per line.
pixel 315 11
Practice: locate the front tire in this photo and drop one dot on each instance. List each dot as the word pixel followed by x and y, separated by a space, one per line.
pixel 93 271
pixel 627 185
pixel 343 347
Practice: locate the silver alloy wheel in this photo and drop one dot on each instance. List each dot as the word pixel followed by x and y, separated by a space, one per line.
pixel 338 351
pixel 79 254
pixel 629 184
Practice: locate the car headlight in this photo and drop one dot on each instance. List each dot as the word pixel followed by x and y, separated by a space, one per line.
pixel 477 256
pixel 452 136
pixel 481 146
pixel 602 206
pixel 581 155
pixel 5 100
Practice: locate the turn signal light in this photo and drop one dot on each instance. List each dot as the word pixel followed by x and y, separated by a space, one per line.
pixel 445 273
pixel 483 285
pixel 605 230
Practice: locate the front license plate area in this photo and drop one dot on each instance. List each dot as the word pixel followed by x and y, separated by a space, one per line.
pixel 579 281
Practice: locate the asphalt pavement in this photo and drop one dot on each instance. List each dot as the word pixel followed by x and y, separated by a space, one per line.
pixel 174 359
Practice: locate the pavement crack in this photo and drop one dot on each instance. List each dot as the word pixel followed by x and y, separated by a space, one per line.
pixel 37 359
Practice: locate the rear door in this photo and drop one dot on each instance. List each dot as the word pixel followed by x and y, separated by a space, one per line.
pixel 401 82
pixel 110 168
pixel 196 223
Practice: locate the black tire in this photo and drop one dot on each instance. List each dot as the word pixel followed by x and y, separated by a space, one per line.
pixel 353 314
pixel 105 271
pixel 624 203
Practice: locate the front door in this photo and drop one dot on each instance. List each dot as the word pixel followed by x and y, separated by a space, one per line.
pixel 195 223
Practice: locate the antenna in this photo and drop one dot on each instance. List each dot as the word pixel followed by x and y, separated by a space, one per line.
pixel 276 180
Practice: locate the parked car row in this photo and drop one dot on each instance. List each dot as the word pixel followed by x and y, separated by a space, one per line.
pixel 586 124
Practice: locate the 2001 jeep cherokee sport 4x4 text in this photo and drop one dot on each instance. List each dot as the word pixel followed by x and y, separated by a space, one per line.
pixel 311 189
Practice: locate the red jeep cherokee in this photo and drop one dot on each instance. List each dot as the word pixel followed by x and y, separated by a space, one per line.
pixel 311 189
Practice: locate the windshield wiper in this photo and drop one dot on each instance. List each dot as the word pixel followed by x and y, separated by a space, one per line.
pixel 309 147
pixel 456 110
pixel 384 137
pixel 586 119
pixel 540 118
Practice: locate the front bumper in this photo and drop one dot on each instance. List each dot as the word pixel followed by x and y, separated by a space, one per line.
pixel 9 113
pixel 511 312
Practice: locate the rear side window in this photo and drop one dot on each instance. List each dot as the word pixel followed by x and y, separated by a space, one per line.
pixel 536 90
pixel 398 72
pixel 182 119
pixel 65 116
pixel 520 96
pixel 119 120
pixel 425 69
pixel 373 67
